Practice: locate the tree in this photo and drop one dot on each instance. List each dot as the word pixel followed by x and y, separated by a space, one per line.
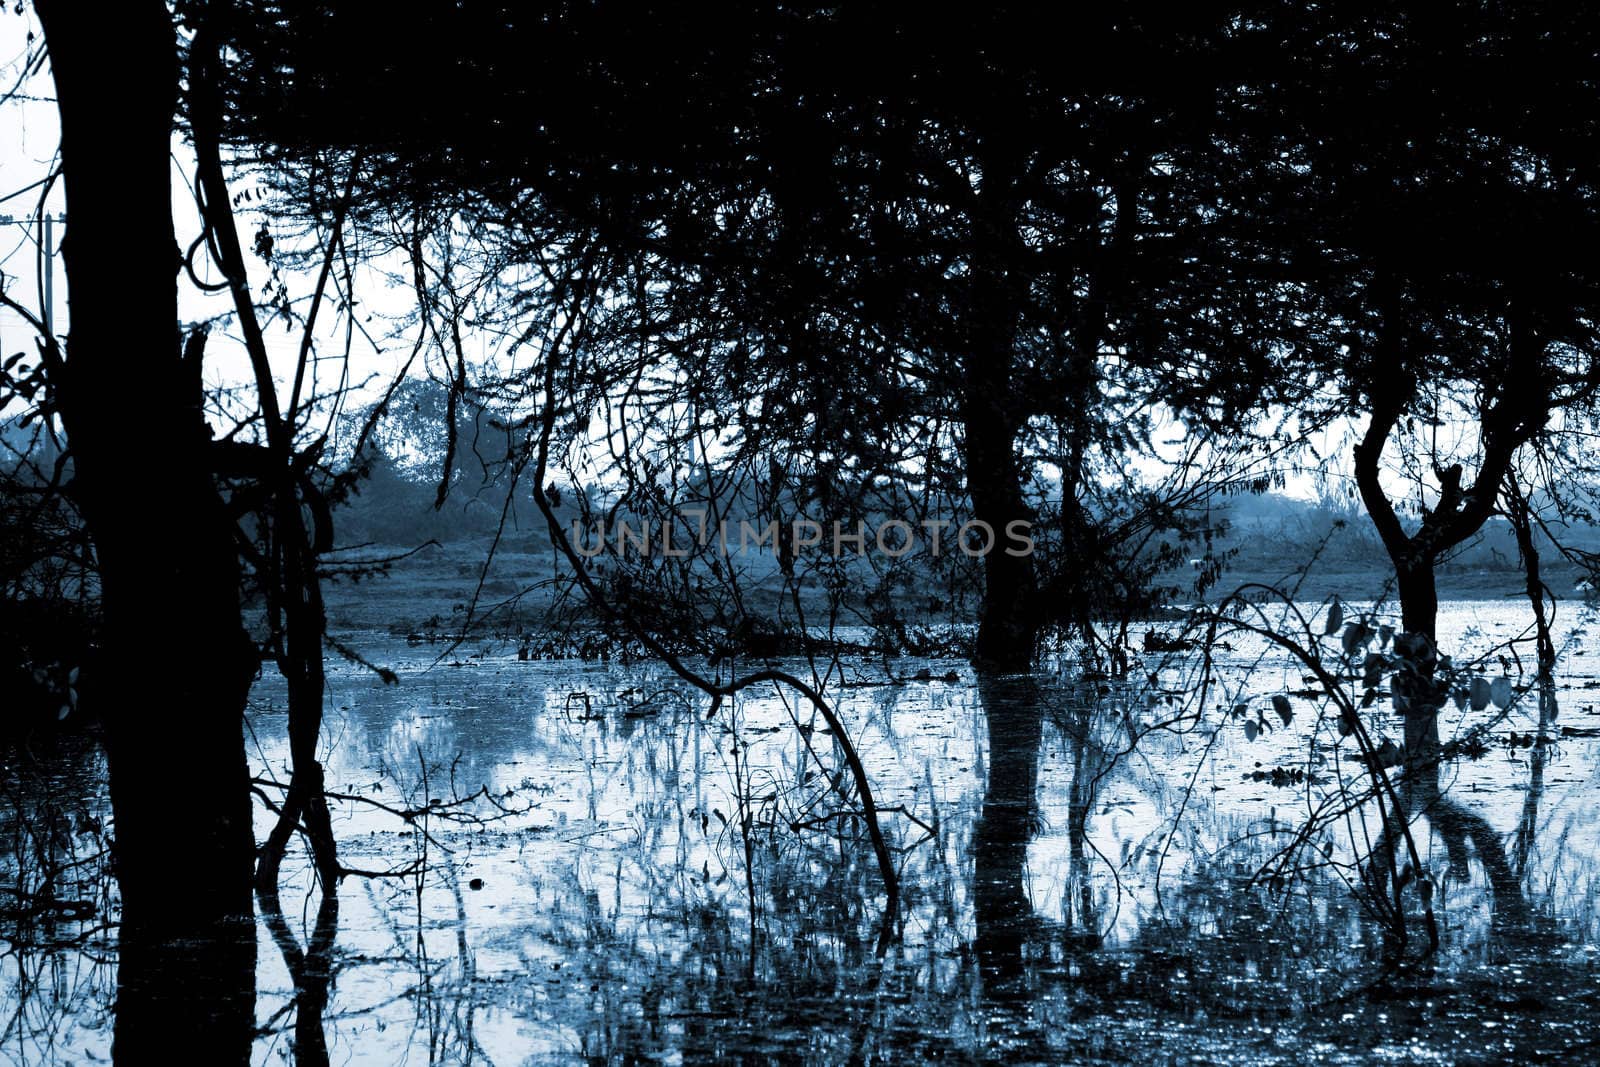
pixel 944 252
pixel 127 392
pixel 1426 178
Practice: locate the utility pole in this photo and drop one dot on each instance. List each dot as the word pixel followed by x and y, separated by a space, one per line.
pixel 49 267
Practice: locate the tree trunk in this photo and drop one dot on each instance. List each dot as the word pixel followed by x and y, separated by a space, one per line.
pixel 1413 561
pixel 184 846
pixel 1419 613
pixel 1008 630
pixel 1419 596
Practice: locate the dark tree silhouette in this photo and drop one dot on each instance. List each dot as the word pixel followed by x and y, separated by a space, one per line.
pixel 1427 179
pixel 946 251
pixel 169 574
pixel 871 261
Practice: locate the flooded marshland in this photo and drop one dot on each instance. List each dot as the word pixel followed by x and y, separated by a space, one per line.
pixel 568 861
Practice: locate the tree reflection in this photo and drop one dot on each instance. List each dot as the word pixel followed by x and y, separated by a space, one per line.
pixel 1004 913
pixel 197 982
pixel 310 969
pixel 1033 928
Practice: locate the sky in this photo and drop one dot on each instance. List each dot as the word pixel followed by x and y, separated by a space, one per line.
pixel 29 139
pixel 29 136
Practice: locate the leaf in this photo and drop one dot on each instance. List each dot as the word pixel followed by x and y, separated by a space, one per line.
pixel 1372 670
pixel 1460 697
pixel 1500 692
pixel 1345 728
pixel 1285 710
pixel 1251 729
pixel 1479 694
pixel 1385 633
pixel 1355 635
pixel 1335 617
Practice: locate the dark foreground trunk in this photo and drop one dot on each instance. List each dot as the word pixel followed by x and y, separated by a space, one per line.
pixel 173 638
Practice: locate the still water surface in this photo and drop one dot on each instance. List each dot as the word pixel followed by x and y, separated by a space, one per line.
pixel 573 862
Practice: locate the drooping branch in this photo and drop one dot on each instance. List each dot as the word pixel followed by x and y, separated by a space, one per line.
pixel 293 586
pixel 718 691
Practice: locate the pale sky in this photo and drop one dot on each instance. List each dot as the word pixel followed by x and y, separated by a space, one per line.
pixel 29 138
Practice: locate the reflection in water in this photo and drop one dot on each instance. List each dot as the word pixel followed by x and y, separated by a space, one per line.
pixel 1528 824
pixel 1457 825
pixel 1000 902
pixel 310 969
pixel 1016 709
pixel 201 979
pixel 54 897
pixel 669 886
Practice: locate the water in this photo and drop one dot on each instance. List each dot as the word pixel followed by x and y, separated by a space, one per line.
pixel 572 862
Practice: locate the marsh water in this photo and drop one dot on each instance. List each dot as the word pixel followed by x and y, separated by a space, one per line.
pixel 584 862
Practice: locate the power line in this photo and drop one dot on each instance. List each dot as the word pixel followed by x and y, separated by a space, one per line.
pixel 47 253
